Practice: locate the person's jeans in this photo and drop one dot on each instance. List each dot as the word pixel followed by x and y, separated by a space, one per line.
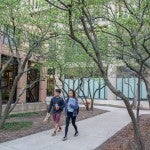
pixel 73 120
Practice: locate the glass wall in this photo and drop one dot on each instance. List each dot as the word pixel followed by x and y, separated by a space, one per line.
pixel 88 87
pixel 129 87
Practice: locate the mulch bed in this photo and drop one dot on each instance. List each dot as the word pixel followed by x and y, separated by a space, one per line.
pixel 121 140
pixel 38 124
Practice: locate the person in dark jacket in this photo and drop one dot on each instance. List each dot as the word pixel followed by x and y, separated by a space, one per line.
pixel 56 107
pixel 71 112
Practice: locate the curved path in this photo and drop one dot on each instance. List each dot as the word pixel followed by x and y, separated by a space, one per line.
pixel 92 133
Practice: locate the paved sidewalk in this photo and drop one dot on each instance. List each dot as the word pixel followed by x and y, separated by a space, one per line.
pixel 93 132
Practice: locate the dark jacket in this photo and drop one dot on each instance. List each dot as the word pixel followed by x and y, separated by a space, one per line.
pixel 75 107
pixel 54 101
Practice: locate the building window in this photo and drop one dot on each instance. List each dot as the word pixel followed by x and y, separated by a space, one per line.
pixel 50 86
pixel 33 3
pixel 33 76
pixel 11 36
pixel 8 78
pixel 5 39
pixel 50 82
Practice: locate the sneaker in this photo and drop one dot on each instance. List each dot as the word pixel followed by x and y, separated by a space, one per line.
pixel 54 133
pixel 64 138
pixel 76 134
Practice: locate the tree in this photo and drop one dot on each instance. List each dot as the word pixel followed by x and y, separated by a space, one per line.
pixel 25 35
pixel 84 27
pixel 79 77
pixel 131 39
pixel 71 63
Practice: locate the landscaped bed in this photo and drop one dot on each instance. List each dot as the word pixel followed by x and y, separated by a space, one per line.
pixel 20 125
pixel 121 140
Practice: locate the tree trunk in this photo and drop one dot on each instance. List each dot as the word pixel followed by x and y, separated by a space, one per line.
pixel 147 84
pixel 0 87
pixel 138 137
pixel 148 96
pixel 134 104
pixel 11 96
pixel 87 105
pixel 140 141
pixel 136 128
pixel 92 104
pixel 0 99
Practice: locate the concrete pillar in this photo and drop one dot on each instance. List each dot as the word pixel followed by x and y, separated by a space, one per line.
pixel 43 85
pixel 112 77
pixel 21 85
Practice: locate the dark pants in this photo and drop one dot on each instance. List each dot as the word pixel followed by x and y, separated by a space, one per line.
pixel 73 120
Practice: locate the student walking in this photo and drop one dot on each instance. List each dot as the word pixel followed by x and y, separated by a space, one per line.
pixel 56 106
pixel 71 112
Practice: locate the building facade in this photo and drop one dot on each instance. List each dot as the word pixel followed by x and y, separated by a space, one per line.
pixel 35 95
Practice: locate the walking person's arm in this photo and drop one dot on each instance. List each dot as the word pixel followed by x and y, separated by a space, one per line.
pixel 62 104
pixel 48 113
pixel 50 106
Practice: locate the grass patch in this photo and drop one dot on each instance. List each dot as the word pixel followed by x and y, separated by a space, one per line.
pixel 15 126
pixel 28 114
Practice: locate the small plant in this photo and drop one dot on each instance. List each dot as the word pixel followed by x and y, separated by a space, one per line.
pixel 28 114
pixel 15 126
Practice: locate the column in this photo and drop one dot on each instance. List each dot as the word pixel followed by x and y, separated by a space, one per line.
pixel 20 87
pixel 43 85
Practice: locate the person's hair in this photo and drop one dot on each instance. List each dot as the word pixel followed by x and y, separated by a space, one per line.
pixel 74 93
pixel 58 90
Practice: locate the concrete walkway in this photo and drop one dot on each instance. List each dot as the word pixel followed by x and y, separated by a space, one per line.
pixel 93 132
